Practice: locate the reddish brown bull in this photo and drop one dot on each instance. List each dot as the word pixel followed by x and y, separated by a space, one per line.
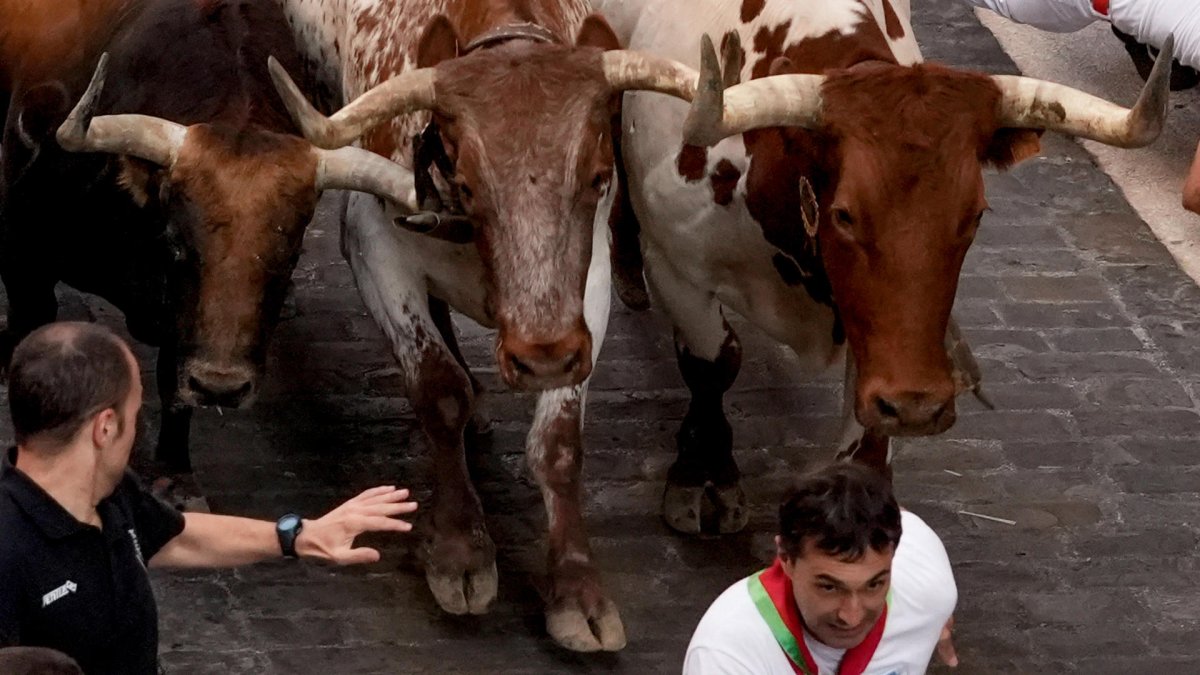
pixel 522 96
pixel 829 199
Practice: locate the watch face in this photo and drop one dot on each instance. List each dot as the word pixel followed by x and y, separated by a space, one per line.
pixel 289 522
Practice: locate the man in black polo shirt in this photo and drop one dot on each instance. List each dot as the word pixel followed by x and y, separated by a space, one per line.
pixel 77 530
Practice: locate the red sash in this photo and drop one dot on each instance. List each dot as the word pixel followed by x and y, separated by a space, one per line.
pixel 1100 6
pixel 771 591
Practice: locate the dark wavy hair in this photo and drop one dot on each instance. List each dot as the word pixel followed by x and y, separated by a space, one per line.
pixel 844 509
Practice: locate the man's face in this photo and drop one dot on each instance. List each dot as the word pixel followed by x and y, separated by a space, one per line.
pixel 839 600
pixel 115 458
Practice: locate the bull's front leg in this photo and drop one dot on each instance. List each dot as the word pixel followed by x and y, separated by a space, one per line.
pixel 579 615
pixel 176 421
pixel 710 356
pixel 459 556
pixel 171 477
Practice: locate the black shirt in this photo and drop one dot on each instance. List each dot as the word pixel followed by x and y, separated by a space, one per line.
pixel 72 587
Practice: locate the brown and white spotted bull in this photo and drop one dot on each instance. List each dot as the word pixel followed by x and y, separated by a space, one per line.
pixel 190 197
pixel 522 95
pixel 824 208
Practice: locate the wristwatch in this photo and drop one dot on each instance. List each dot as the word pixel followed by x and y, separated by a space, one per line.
pixel 288 528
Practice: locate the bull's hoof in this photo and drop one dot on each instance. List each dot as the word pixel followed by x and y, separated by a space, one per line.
pixel 632 291
pixel 580 630
pixel 470 592
pixel 681 507
pixel 732 514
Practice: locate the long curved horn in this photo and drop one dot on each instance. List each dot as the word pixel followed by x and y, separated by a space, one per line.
pixel 150 138
pixel 352 168
pixel 627 70
pixel 718 113
pixel 1036 104
pixel 408 92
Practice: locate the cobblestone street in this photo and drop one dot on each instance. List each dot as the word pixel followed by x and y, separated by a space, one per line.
pixel 1089 338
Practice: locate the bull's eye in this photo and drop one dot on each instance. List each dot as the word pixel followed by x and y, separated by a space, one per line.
pixel 464 192
pixel 843 220
pixel 600 180
pixel 971 225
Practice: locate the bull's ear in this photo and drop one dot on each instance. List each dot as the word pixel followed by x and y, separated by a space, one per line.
pixel 781 65
pixel 596 32
pixel 136 176
pixel 439 43
pixel 1010 147
pixel 42 109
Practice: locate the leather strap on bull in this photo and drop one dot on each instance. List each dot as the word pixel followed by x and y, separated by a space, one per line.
pixel 441 215
pixel 511 31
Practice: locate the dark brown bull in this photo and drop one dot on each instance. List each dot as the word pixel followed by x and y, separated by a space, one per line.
pixel 188 205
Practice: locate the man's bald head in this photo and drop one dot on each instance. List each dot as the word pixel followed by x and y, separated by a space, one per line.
pixel 63 374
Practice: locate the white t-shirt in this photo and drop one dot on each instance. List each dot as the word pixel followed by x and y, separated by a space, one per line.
pixel 733 638
pixel 1149 21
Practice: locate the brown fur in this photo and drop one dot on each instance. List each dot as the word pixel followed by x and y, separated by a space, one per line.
pixel 535 216
pixel 900 161
pixel 255 192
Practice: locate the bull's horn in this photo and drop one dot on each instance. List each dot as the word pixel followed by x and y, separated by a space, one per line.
pixel 357 169
pixel 353 168
pixel 629 70
pixel 150 138
pixel 408 92
pixel 1035 104
pixel 718 113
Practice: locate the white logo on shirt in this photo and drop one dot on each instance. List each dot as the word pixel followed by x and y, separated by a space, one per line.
pixel 58 593
pixel 137 547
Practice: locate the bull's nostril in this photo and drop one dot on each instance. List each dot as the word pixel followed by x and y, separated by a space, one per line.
pixel 195 385
pixel 572 363
pixel 886 408
pixel 519 366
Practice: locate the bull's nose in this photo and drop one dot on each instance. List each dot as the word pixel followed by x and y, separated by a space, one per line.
pixel 545 364
pixel 910 413
pixel 229 387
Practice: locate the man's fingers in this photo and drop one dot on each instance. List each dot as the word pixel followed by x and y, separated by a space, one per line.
pixel 396 495
pixel 389 509
pixel 359 556
pixel 385 524
pixel 946 652
pixel 373 492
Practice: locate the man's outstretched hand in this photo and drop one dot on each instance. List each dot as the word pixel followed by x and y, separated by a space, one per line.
pixel 331 537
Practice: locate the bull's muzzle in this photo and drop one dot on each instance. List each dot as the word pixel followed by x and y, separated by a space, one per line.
pixel 209 383
pixel 894 411
pixel 538 364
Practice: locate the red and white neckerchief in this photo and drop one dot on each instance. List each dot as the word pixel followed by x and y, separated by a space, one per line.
pixel 1101 7
pixel 771 591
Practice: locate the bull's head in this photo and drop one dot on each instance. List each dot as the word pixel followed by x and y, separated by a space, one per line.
pixel 527 126
pixel 896 156
pixel 234 203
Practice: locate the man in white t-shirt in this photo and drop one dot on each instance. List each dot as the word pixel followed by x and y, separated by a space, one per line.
pixel 1143 25
pixel 847 594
